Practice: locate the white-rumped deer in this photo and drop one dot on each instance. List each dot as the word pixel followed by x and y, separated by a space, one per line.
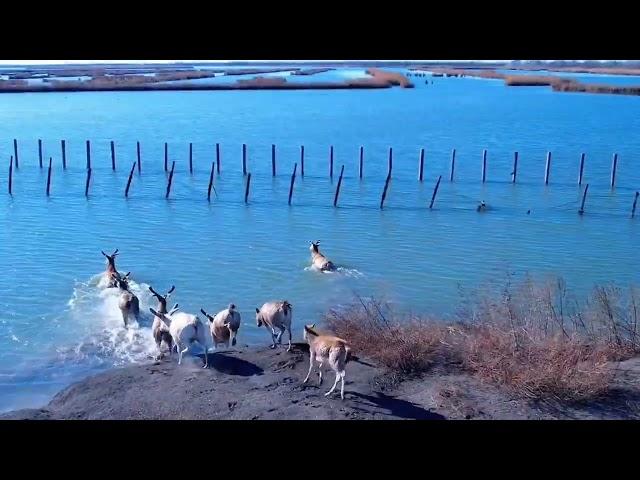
pixel 330 349
pixel 128 302
pixel 185 329
pixel 318 260
pixel 275 315
pixel 224 325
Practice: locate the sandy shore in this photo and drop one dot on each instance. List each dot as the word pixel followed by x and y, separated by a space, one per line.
pixel 253 383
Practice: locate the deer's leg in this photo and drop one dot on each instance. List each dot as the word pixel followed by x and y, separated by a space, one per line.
pixel 282 329
pixel 334 385
pixel 311 359
pixel 320 373
pixel 273 337
pixel 289 348
pixel 342 385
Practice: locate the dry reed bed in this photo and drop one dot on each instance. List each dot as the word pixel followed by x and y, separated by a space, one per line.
pixel 535 341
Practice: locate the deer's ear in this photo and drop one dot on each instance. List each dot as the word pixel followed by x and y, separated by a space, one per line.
pixel 257 310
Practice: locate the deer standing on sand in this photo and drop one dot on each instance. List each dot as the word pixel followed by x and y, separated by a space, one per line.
pixel 185 329
pixel 318 260
pixel 128 302
pixel 275 315
pixel 160 329
pixel 330 349
pixel 111 275
pixel 224 326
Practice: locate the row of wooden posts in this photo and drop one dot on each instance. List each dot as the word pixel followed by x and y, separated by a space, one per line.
pixel 293 175
pixel 514 173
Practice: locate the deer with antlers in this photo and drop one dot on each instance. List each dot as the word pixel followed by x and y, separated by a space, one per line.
pixel 160 328
pixel 110 277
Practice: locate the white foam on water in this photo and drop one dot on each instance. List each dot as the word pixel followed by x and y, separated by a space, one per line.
pixel 94 313
pixel 347 272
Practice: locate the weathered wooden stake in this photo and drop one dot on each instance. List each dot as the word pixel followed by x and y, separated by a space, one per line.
pixel 435 192
pixel 218 157
pixel 244 159
pixel 390 161
pixel 246 192
pixel 361 169
pixel 88 154
pixel 633 208
pixel 273 160
pixel 166 155
pixel 49 177
pixel 15 152
pixel 421 165
pixel 113 156
pixel 514 174
pixel 138 155
pixel 581 169
pixel 547 169
pixel 210 182
pixel 191 158
pixel 335 199
pixel 40 152
pixel 584 198
pixel 173 166
pixel 126 191
pixel 10 174
pixel 86 185
pixel 384 192
pixel 484 165
pixel 614 166
pixel 302 161
pixel 453 163
pixel 64 154
pixel 293 179
pixel 331 163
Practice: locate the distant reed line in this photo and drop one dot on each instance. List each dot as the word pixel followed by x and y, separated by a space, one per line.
pixel 216 166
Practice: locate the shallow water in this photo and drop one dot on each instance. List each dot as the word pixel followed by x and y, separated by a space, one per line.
pixel 56 327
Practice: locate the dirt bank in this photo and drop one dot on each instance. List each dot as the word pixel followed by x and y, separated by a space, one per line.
pixel 259 383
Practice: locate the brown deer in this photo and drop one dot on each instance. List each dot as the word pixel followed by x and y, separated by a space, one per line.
pixel 160 329
pixel 110 277
pixel 128 302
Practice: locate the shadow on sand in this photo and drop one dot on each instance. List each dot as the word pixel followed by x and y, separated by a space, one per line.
pixel 232 365
pixel 396 407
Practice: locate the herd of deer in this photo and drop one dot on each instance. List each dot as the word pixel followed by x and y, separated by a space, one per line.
pixel 179 330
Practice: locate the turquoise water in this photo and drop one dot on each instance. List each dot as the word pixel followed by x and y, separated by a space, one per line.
pixel 56 327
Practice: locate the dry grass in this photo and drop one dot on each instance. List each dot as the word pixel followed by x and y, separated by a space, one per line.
pixel 533 340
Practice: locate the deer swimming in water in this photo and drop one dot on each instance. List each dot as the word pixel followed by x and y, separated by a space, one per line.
pixel 110 277
pixel 318 260
pixel 128 302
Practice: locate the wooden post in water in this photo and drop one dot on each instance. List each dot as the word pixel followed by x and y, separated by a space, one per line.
pixel 581 169
pixel 435 192
pixel 633 209
pixel 138 155
pixel 15 152
pixel 210 182
pixel 453 163
pixel 515 167
pixel 335 199
pixel 113 156
pixel 331 163
pixel 614 166
pixel 390 161
pixel 246 192
pixel 64 154
pixel 584 198
pixel 384 192
pixel 361 166
pixel 547 169
pixel 302 161
pixel 40 152
pixel 218 157
pixel 484 165
pixel 293 179
pixel 191 158
pixel 273 160
pixel 421 165
pixel 86 185
pixel 10 174
pixel 126 191
pixel 166 155
pixel 88 154
pixel 244 159
pixel 173 166
pixel 49 177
